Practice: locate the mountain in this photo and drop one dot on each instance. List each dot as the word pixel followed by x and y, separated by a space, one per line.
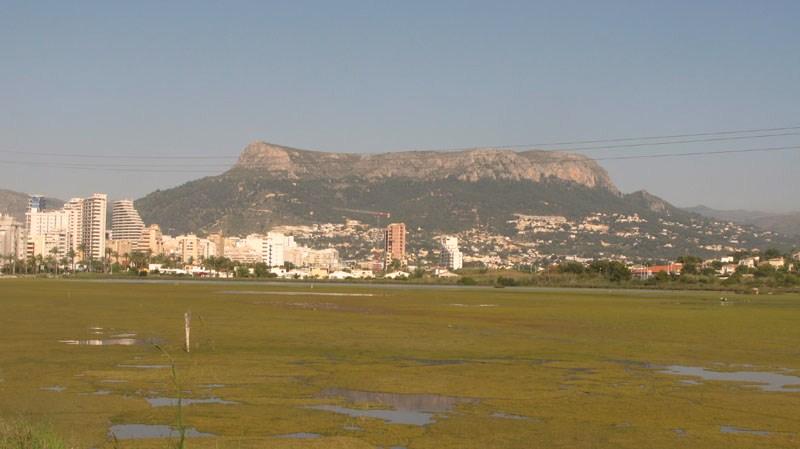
pixel 486 190
pixel 788 223
pixel 16 203
pixel 273 185
pixel 279 162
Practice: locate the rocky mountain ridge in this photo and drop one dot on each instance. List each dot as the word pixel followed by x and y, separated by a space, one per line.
pixel 466 165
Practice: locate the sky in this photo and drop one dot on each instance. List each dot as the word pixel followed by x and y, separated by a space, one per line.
pixel 92 94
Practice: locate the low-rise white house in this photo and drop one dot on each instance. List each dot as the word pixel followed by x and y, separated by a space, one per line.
pixel 396 275
pixel 442 273
pixel 749 262
pixel 362 274
pixel 777 262
pixel 728 269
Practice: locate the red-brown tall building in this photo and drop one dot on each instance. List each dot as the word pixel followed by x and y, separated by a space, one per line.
pixel 394 243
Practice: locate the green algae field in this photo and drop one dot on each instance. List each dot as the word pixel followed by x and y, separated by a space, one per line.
pixel 290 365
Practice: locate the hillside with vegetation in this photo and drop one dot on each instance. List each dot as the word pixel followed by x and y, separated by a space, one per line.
pixel 444 192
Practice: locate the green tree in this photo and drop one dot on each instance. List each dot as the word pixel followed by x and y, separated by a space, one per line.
pixel 571 267
pixel 394 265
pixel 55 251
pixel 71 256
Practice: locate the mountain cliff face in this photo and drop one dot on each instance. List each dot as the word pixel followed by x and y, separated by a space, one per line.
pixel 469 165
pixel 273 185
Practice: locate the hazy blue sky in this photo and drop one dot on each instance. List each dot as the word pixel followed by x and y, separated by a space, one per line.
pixel 143 79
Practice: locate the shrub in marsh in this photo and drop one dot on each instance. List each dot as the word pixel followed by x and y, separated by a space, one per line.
pixel 23 435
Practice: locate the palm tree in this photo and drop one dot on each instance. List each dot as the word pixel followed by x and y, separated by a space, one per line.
pixel 71 256
pixel 55 251
pixel 107 260
pixel 82 250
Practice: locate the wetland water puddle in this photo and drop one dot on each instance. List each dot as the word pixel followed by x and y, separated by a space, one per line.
pixel 503 415
pixel 144 366
pixel 410 409
pixel 142 431
pixel 106 342
pixel 294 293
pixel 764 380
pixel 173 402
pixel 299 435
pixel 733 429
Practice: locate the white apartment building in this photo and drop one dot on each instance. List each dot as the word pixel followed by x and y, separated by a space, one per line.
pixel 93 232
pixel 46 230
pixel 81 223
pixel 303 256
pixel 245 250
pixel 269 249
pixel 41 222
pixel 12 238
pixel 273 248
pixel 151 241
pixel 189 248
pixel 451 256
pixel 126 224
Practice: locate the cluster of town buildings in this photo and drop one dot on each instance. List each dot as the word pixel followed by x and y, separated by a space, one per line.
pixel 723 266
pixel 78 231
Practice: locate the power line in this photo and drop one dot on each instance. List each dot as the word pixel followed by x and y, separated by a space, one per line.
pixel 112 156
pixel 697 153
pixel 543 146
pixel 545 159
pixel 629 139
pixel 679 142
pixel 183 165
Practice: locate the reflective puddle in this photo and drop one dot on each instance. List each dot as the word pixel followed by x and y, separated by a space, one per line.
pixel 410 409
pixel 173 402
pixel 144 366
pixel 391 416
pixel 55 388
pixel 299 435
pixel 141 431
pixel 106 342
pixel 292 293
pixel 733 429
pixel 764 380
pixel 509 416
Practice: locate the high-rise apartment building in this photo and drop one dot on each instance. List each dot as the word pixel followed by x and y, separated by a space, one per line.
pixel 36 203
pixel 273 249
pixel 451 256
pixel 126 224
pixel 47 231
pixel 12 238
pixel 93 226
pixel 74 211
pixel 79 225
pixel 394 243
